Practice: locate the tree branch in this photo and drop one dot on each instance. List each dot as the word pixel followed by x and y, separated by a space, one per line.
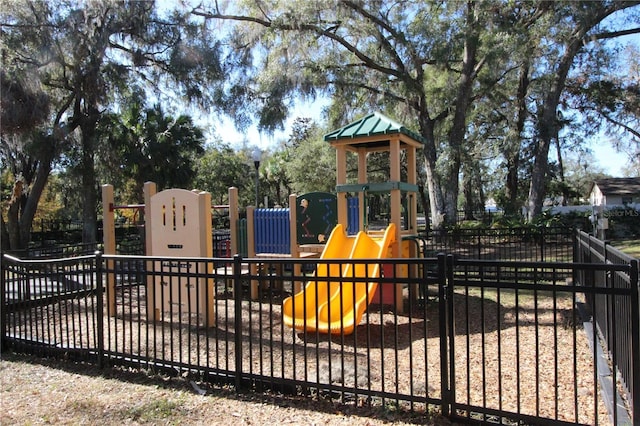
pixel 611 34
pixel 325 32
pixel 371 89
pixel 634 132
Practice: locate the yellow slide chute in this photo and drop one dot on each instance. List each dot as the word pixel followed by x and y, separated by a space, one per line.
pixel 329 304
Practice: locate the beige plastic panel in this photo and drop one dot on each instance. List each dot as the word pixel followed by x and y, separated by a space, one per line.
pixel 175 224
pixel 181 227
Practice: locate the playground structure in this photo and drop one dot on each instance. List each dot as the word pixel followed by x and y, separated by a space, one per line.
pixel 316 306
pixel 284 233
pixel 52 325
pixel 178 224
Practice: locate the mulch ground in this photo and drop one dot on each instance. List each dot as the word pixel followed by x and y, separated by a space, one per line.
pixel 518 357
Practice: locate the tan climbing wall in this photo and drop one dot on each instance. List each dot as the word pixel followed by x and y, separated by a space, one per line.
pixel 180 223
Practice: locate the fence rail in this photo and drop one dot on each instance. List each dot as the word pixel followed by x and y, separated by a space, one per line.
pixel 613 316
pixel 542 244
pixel 481 340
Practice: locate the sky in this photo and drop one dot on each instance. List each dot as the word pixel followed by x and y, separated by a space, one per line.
pixel 608 159
pixel 605 155
pixel 233 137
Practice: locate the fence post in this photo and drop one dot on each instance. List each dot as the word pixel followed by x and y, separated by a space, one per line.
pixel 100 307
pixel 443 319
pixel 635 340
pixel 3 308
pixel 237 303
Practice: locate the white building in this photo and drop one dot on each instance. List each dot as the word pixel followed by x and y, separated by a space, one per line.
pixel 615 192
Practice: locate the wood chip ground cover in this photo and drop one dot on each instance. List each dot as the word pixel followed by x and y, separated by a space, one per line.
pixel 507 350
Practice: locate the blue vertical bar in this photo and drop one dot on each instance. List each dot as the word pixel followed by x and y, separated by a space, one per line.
pixel 272 233
pixel 353 216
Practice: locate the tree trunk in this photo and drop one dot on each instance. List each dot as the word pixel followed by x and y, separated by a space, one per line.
pixel 538 174
pixel 13 216
pixel 89 217
pixel 4 235
pixel 424 201
pixel 467 192
pixel 89 187
pixel 547 128
pixel 511 184
pixel 459 125
pixel 31 206
pixel 512 155
pixel 547 118
pixel 22 209
pixel 564 187
pixel 436 201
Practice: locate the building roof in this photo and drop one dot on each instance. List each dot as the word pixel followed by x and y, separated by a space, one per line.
pixel 618 186
pixel 371 125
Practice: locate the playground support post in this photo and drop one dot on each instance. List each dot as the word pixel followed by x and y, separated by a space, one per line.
pixel 153 312
pixel 234 216
pixel 295 249
pixel 362 196
pixel 257 154
pixel 109 236
pixel 251 250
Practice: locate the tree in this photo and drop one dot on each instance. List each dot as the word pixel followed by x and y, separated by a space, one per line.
pixel 27 151
pixel 310 161
pixel 609 102
pixel 154 146
pixel 577 26
pixel 221 168
pixel 417 61
pixel 275 176
pixel 88 52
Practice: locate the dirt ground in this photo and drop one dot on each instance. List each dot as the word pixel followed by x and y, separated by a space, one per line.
pixel 34 391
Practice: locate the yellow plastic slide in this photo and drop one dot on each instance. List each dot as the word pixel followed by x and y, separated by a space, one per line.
pixel 300 309
pixel 337 306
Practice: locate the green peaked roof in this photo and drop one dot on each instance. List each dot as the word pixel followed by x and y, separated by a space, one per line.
pixel 371 125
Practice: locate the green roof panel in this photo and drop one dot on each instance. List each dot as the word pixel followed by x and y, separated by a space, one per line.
pixel 371 125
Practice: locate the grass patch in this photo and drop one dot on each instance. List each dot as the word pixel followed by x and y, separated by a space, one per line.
pixel 154 411
pixel 630 247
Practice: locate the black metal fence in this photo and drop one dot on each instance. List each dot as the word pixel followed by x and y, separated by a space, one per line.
pixel 539 244
pixel 56 251
pixel 55 239
pixel 543 244
pixel 616 323
pixel 481 340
